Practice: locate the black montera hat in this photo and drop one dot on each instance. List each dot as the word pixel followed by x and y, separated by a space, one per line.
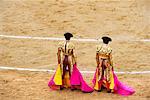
pixel 68 35
pixel 106 39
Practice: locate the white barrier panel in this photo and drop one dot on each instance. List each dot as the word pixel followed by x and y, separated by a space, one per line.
pixel 52 71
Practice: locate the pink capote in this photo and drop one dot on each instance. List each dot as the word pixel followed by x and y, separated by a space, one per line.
pixel 77 80
pixel 119 87
pixel 52 84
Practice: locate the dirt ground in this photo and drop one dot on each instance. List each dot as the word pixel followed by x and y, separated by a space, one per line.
pixel 123 20
pixel 84 18
pixel 17 85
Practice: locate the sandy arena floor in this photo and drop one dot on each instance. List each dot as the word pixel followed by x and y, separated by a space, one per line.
pixel 123 20
pixel 33 86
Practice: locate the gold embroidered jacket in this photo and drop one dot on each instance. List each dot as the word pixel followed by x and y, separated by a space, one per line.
pixel 66 48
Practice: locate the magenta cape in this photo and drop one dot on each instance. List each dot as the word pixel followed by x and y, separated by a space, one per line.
pixel 77 80
pixel 119 87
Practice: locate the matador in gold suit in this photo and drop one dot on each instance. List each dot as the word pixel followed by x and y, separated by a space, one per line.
pixel 104 77
pixel 66 58
pixel 104 64
pixel 67 74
